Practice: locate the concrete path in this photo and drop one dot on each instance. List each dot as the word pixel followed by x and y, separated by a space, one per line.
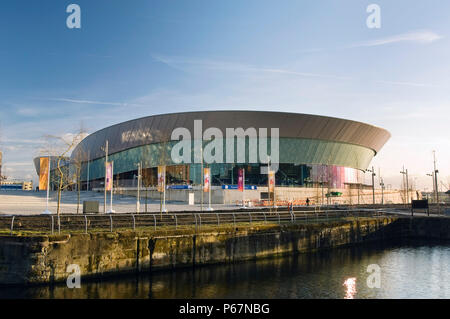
pixel 33 203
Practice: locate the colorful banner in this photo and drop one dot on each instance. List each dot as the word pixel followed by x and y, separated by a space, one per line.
pixel 207 179
pixel 43 173
pixel 109 175
pixel 241 180
pixel 271 181
pixel 161 178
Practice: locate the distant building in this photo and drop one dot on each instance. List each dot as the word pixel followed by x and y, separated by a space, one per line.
pixel 16 185
pixel 43 173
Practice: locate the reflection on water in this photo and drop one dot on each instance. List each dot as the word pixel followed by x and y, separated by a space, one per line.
pixel 407 271
pixel 350 283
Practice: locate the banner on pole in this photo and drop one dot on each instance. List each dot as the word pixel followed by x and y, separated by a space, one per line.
pixel 109 174
pixel 161 178
pixel 241 180
pixel 43 173
pixel 207 179
pixel 271 181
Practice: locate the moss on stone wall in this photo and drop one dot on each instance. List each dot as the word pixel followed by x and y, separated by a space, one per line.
pixel 40 259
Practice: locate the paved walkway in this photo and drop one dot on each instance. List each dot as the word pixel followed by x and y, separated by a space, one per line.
pixel 32 203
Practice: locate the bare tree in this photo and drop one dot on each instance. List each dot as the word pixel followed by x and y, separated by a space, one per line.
pixel 61 147
pixel 77 163
pixel 147 180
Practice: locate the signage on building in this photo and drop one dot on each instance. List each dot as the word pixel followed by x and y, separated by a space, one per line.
pixel 249 187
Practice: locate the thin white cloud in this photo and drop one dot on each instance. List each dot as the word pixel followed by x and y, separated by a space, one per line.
pixel 16 164
pixel 179 62
pixel 92 102
pixel 419 37
pixel 405 83
pixel 28 111
pixel 21 141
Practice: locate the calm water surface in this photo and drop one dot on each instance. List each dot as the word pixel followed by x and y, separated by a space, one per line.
pixel 407 271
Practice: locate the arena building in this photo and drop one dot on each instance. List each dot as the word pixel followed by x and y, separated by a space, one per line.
pixel 313 151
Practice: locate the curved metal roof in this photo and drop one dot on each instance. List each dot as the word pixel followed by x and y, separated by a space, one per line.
pixel 157 128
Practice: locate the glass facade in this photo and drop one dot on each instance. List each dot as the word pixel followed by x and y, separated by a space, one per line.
pixel 303 162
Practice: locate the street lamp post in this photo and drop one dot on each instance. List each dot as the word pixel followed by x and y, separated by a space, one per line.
pixel 203 177
pixel 432 180
pixel 405 172
pixel 436 182
pixel 104 186
pixel 373 183
pixel 111 210
pixel 138 199
pixel 88 170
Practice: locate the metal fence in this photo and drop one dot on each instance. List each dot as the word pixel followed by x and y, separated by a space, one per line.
pixel 114 222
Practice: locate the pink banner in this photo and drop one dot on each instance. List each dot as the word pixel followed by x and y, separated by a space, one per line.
pixel 241 180
pixel 109 174
pixel 207 179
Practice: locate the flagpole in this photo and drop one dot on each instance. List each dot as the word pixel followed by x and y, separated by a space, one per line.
pixel 138 204
pixel 164 191
pixel 209 186
pixel 106 163
pixel 243 187
pixel 203 177
pixel 89 159
pixel 112 189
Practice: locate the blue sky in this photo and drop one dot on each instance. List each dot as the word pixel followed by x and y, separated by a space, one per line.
pixel 138 58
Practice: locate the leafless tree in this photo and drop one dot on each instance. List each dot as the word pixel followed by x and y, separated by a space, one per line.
pixel 147 181
pixel 60 147
pixel 77 165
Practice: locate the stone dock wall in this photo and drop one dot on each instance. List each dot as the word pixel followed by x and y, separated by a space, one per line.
pixel 44 259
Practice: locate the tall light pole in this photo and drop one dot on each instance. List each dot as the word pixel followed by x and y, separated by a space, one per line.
pixel 89 160
pixel 373 183
pixel 203 177
pixel 138 195
pixel 432 181
pixel 382 190
pixel 243 187
pixel 405 172
pixel 106 164
pixel 111 210
pixel 436 181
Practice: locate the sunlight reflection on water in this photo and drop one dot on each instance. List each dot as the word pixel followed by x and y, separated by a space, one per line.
pixel 350 283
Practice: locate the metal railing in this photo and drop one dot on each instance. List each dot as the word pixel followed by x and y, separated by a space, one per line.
pixel 113 222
